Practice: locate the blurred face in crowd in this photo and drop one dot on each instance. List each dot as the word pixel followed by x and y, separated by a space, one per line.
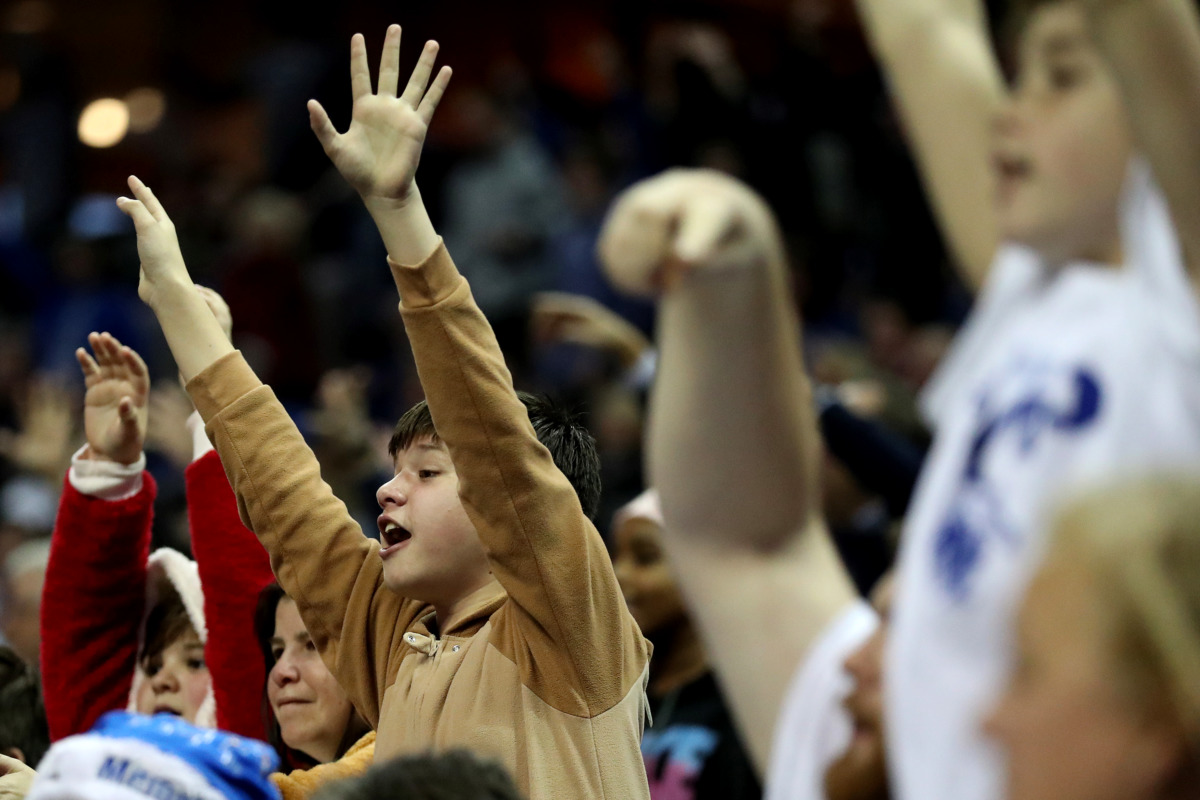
pixel 175 681
pixel 645 576
pixel 20 619
pixel 1062 143
pixel 312 710
pixel 861 772
pixel 1068 720
pixel 429 547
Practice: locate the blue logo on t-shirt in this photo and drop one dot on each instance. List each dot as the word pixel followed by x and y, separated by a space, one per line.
pixel 977 511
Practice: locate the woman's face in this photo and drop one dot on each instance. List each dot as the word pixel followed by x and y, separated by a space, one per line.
pixel 645 576
pixel 1067 720
pixel 312 710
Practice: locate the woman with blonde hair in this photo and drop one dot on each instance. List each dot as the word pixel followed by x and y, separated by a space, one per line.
pixel 1104 701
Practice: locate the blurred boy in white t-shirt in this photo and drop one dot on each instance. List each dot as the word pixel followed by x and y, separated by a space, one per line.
pixel 1081 360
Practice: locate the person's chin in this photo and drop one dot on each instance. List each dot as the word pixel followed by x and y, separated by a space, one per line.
pixel 860 773
pixel 402 581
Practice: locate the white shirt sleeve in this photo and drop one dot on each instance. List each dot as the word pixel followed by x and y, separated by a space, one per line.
pixel 814 728
pixel 200 443
pixel 106 480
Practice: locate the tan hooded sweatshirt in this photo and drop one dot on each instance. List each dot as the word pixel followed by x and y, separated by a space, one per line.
pixel 543 669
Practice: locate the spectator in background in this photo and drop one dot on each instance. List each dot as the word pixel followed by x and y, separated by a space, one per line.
pixel 503 205
pixel 1105 700
pixel 692 750
pixel 24 734
pixel 24 576
pixel 316 732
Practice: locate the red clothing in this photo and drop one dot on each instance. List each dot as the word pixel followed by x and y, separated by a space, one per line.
pixel 92 605
pixel 234 568
pixel 95 593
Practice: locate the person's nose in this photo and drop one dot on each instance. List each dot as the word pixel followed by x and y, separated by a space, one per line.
pixel 284 671
pixel 393 493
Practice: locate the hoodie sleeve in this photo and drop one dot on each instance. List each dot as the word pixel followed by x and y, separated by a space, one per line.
pixel 303 783
pixel 234 568
pixel 92 605
pixel 566 627
pixel 318 552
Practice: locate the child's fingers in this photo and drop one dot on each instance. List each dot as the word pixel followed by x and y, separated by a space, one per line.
pixel 102 348
pixel 430 102
pixel 360 73
pixel 143 193
pixel 87 364
pixel 141 375
pixel 125 410
pixel 322 127
pixel 420 74
pixel 135 211
pixel 389 63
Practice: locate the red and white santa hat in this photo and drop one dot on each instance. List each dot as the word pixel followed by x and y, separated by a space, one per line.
pixel 165 570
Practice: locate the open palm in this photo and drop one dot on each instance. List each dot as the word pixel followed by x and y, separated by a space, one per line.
pixel 118 392
pixel 379 153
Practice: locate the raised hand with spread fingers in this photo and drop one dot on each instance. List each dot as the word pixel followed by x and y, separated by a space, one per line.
pixel 379 153
pixel 115 406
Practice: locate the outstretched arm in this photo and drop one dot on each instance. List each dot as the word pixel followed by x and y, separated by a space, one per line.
pixel 733 447
pixel 95 590
pixel 1153 48
pixel 331 570
pixel 938 60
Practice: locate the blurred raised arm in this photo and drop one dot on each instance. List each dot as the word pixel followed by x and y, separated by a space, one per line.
pixel 733 445
pixel 1153 48
pixel 938 60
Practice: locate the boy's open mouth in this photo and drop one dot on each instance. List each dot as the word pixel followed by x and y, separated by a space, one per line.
pixel 392 534
pixel 1012 167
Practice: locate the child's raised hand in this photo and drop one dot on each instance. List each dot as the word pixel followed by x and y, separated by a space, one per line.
pixel 683 220
pixel 378 155
pixel 43 443
pixel 115 406
pixel 158 246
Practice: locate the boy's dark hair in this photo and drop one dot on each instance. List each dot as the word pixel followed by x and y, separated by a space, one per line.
pixel 23 723
pixel 454 775
pixel 167 622
pixel 571 445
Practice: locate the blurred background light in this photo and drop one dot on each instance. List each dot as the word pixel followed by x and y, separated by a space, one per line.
pixel 29 17
pixel 103 122
pixel 146 108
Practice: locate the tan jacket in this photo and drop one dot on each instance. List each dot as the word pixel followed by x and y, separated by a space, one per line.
pixel 301 784
pixel 543 669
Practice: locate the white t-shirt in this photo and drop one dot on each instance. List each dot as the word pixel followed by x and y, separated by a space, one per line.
pixel 1058 381
pixel 814 728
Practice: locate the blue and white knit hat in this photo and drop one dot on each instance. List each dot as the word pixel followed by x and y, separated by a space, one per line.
pixel 133 756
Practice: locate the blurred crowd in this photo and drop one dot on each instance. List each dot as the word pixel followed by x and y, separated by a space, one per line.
pixel 555 110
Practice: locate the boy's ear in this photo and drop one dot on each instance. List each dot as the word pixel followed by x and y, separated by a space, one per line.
pixel 17 753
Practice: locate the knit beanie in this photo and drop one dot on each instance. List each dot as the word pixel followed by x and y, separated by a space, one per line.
pixel 134 756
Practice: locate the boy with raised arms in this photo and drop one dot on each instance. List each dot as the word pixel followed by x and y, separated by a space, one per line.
pixel 491 618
